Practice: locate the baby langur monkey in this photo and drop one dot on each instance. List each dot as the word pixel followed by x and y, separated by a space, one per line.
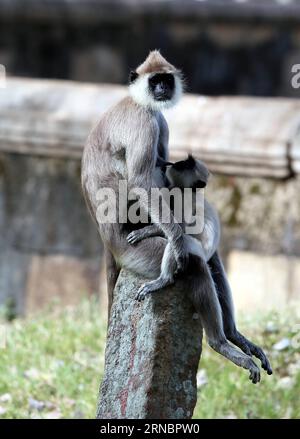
pixel 194 174
pixel 189 173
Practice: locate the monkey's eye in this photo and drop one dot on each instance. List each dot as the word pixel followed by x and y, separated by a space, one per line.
pixel 165 78
pixel 133 76
pixel 169 80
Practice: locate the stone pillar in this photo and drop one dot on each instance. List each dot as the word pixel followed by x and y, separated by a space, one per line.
pixel 152 355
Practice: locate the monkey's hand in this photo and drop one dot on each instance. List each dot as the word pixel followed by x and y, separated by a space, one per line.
pixel 181 254
pixel 135 236
pixel 145 232
pixel 154 285
pixel 250 349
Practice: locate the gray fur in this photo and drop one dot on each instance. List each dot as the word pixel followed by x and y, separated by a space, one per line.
pixel 125 145
pixel 212 298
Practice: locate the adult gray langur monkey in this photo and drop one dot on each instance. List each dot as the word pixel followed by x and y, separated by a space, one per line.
pixel 125 145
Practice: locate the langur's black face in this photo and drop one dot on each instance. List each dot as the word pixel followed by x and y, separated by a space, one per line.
pixel 155 84
pixel 162 86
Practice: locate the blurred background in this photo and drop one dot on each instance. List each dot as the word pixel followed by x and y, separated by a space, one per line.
pixel 65 63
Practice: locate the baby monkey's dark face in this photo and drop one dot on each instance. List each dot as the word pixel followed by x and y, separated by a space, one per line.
pixel 189 173
pixel 162 86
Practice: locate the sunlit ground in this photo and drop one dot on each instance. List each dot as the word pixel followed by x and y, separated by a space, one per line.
pixel 50 367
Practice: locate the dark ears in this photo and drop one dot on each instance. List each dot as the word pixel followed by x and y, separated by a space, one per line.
pixel 133 76
pixel 191 161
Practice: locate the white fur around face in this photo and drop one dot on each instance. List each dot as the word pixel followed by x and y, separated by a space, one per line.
pixel 140 93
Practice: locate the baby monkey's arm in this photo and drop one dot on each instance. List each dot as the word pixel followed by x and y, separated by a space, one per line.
pixel 145 232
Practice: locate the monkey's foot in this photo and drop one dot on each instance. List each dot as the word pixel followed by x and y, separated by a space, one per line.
pixel 151 287
pixel 265 363
pixel 251 349
pixel 238 358
pixel 143 291
pixel 254 371
pixel 134 236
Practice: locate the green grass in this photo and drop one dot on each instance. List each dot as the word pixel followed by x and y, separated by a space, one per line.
pixel 230 394
pixel 57 358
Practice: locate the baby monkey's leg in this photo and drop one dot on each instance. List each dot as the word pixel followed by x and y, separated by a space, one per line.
pixel 145 232
pixel 166 277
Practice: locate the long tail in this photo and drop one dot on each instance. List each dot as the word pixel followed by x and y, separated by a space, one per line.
pixel 203 294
